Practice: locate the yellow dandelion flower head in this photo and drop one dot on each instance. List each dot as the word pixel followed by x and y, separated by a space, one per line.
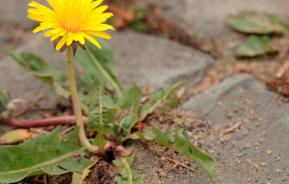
pixel 71 21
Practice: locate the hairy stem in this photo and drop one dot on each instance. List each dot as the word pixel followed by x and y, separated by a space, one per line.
pixel 116 86
pixel 76 103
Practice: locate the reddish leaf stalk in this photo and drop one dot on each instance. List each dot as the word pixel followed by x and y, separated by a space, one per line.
pixel 55 121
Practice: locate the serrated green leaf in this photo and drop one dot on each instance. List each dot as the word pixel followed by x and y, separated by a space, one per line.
pixel 255 46
pixel 127 175
pixel 185 147
pixel 126 124
pixel 53 171
pixel 137 180
pixel 101 117
pixel 158 98
pixel 42 71
pixel 78 178
pixel 146 135
pixel 181 143
pixel 131 99
pixel 258 23
pixel 44 153
pixel 165 139
pixel 98 63
pixel 72 164
pixel 75 164
pixel 100 140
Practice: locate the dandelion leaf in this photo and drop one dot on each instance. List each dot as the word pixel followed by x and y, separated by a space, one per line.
pixel 44 154
pixel 42 71
pixel 255 46
pixel 125 170
pixel 257 23
pixel 180 142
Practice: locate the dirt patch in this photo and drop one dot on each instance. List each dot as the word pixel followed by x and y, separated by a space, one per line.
pixel 102 173
pixel 160 165
pixel 263 69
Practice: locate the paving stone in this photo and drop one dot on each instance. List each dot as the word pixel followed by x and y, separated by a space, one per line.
pixel 16 11
pixel 141 60
pixel 256 152
pixel 18 82
pixel 2 43
pixel 207 18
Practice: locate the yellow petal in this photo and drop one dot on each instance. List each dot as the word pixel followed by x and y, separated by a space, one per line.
pixel 80 38
pixel 96 3
pixel 97 27
pixel 92 40
pixel 61 43
pixel 57 35
pixel 70 39
pixel 100 34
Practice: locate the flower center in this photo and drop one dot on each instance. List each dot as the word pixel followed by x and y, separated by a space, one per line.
pixel 72 14
pixel 70 24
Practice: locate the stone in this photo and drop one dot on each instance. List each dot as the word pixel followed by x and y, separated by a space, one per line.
pixel 20 83
pixel 16 11
pixel 141 60
pixel 2 43
pixel 207 18
pixel 258 120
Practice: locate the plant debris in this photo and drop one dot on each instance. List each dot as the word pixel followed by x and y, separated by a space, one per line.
pixel 258 23
pixel 280 86
pixel 255 46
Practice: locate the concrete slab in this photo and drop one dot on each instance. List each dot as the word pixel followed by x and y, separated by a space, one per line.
pixel 255 151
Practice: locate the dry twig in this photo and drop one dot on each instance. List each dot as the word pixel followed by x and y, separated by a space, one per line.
pixel 284 68
pixel 230 130
pixel 30 106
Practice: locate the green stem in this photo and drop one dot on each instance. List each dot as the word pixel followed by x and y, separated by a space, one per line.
pixel 126 165
pixel 105 73
pixel 76 103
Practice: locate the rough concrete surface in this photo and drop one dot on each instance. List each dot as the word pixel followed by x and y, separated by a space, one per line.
pixel 255 151
pixel 143 59
pixel 207 18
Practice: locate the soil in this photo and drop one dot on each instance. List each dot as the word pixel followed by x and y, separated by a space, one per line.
pixel 102 173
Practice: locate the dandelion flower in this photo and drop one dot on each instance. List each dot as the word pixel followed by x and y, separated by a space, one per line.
pixel 69 21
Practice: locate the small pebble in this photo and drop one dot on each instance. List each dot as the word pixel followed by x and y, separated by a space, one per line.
pixel 278 171
pixel 263 164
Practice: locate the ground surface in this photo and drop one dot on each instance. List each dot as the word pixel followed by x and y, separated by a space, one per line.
pixel 229 114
